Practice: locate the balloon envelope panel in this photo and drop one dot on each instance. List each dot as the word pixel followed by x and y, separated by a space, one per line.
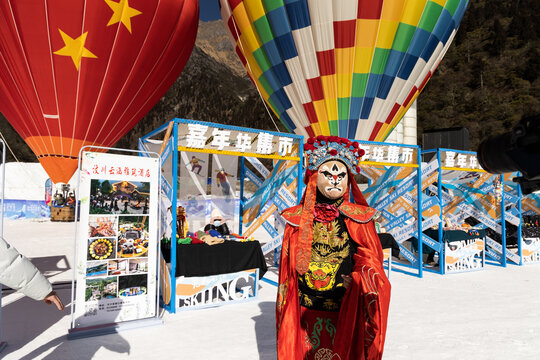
pixel 344 67
pixel 76 73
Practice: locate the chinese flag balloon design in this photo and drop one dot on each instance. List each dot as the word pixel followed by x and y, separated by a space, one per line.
pixel 76 72
pixel 341 67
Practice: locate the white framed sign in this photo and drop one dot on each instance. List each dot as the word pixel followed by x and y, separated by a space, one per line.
pixel 530 249
pixel 116 242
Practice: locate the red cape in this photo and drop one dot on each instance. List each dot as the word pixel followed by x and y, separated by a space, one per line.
pixel 361 327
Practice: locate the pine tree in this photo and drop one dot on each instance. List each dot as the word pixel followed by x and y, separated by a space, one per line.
pixel 498 35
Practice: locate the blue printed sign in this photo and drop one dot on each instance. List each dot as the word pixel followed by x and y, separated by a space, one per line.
pixel 270 229
pixel 26 209
pixel 254 178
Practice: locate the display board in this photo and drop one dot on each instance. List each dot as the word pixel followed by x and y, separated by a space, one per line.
pixel 470 199
pixel 116 243
pixel 26 209
pixel 393 173
pixel 464 250
pixel 205 170
pixel 530 229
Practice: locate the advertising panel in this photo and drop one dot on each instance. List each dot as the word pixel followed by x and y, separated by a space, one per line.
pixel 116 242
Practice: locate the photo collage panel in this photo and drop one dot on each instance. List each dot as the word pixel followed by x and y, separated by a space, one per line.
pixel 118 240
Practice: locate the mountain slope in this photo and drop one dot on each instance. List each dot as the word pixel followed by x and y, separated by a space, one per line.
pixel 489 78
pixel 208 91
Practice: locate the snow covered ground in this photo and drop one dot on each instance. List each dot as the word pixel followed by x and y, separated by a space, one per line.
pixel 489 314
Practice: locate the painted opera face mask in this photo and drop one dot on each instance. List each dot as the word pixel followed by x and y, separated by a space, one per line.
pixel 332 178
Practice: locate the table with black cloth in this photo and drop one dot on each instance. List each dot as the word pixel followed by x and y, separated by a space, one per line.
pixel 227 257
pixel 450 236
pixel 456 235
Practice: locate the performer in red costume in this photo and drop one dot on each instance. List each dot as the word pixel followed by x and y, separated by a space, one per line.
pixel 333 294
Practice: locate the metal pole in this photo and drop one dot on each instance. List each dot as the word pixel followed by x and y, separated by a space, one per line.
pixel 3 344
pixel 73 274
pixel 3 188
pixel 520 251
pixel 159 228
pixel 300 184
pixel 242 178
pixel 172 303
pixel 441 222
pixel 503 223
pixel 419 216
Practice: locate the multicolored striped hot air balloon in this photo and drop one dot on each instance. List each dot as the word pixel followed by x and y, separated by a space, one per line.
pixel 76 72
pixel 341 67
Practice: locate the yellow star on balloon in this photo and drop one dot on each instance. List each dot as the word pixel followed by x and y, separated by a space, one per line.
pixel 122 13
pixel 74 48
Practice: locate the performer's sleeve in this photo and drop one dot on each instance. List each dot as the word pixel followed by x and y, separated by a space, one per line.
pixel 283 275
pixel 374 290
pixel 371 238
pixel 364 310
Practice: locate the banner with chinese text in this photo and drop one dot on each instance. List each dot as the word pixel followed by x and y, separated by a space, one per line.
pixel 231 140
pixel 389 154
pixel 117 239
pixel 458 160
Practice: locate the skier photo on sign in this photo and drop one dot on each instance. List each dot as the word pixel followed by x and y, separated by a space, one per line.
pixel 222 181
pixel 195 164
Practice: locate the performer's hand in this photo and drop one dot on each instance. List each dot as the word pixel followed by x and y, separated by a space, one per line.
pixel 53 298
pixel 347 280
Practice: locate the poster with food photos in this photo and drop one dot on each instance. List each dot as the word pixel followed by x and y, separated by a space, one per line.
pixel 116 264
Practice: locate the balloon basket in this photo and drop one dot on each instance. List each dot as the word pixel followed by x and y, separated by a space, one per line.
pixel 63 213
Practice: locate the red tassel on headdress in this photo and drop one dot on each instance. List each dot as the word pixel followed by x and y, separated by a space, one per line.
pixel 359 199
pixel 307 175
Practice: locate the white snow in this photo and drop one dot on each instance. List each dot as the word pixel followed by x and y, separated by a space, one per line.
pixel 489 314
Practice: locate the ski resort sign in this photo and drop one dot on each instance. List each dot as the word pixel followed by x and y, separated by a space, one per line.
pixel 207 291
pixel 464 255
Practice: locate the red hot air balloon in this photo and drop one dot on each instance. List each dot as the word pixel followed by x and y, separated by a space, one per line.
pixel 76 72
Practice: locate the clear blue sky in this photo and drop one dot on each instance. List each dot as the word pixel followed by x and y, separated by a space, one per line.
pixel 209 10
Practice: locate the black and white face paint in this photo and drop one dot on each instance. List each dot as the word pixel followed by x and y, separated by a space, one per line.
pixel 332 179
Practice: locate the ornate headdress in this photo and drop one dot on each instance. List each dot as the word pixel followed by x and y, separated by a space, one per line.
pixel 321 149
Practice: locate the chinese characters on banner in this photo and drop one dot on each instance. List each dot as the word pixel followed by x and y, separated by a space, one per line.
pixel 454 159
pixel 392 154
pixel 117 239
pixel 200 136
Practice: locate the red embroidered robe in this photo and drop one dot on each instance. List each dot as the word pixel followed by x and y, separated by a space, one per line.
pixel 361 326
